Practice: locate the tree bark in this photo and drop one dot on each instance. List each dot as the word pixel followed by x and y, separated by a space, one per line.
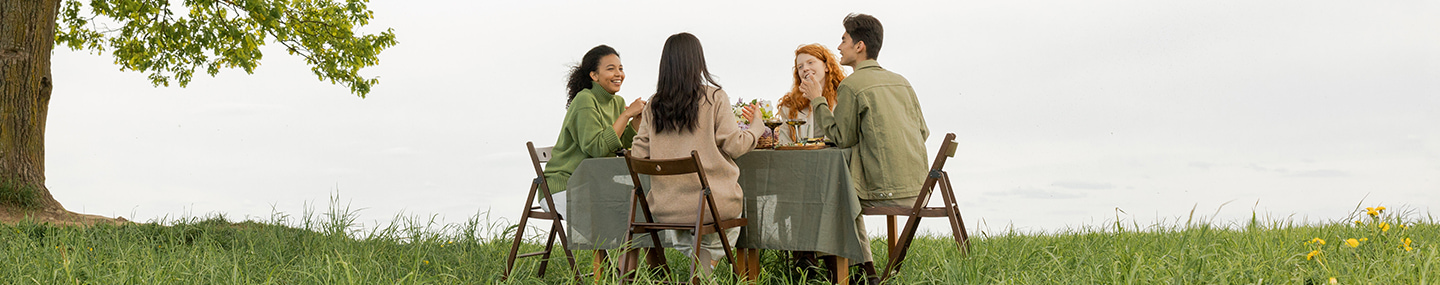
pixel 27 38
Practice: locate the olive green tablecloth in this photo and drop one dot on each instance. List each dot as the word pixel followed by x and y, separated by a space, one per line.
pixel 794 199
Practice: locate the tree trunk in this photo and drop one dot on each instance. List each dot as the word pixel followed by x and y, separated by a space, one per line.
pixel 27 38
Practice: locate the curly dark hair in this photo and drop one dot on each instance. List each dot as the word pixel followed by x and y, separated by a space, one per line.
pixel 579 78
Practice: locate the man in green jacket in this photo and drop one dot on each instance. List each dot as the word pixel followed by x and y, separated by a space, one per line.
pixel 878 116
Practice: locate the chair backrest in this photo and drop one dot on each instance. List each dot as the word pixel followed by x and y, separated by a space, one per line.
pixel 947 149
pixel 676 166
pixel 539 156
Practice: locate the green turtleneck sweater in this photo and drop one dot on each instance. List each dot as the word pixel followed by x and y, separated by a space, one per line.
pixel 586 133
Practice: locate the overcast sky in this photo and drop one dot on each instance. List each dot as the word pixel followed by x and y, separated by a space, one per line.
pixel 1065 110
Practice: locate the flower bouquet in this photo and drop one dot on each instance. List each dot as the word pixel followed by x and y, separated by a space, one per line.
pixel 767 113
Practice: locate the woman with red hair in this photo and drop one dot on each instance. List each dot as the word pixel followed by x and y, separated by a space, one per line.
pixel 815 70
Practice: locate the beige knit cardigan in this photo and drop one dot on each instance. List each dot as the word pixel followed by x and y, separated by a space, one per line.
pixel 718 139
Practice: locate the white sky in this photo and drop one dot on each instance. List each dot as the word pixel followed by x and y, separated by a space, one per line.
pixel 1065 110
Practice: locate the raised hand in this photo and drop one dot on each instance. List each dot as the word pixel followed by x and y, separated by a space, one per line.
pixel 751 113
pixel 810 86
pixel 635 108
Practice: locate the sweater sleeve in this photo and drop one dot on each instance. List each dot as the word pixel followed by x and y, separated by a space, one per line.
pixel 640 145
pixel 728 136
pixel 592 133
pixel 628 136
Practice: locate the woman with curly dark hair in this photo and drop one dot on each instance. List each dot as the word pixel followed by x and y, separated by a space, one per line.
pixel 597 122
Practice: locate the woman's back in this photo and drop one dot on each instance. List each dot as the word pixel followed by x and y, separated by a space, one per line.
pixel 718 140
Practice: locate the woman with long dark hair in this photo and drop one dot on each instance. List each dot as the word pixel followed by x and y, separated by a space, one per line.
pixel 689 111
pixel 597 122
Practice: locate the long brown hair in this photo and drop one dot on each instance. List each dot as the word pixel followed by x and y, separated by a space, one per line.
pixel 683 77
pixel 795 100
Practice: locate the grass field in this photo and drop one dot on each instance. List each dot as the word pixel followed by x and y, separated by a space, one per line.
pixel 326 248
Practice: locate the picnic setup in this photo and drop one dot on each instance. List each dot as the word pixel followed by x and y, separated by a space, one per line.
pixel 787 207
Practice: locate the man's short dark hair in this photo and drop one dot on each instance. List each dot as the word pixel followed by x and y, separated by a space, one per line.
pixel 867 29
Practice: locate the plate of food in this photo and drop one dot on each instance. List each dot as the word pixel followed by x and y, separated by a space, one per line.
pixel 802 146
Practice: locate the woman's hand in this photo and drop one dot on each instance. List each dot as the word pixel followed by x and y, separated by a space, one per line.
pixel 633 111
pixel 752 113
pixel 810 86
pixel 631 116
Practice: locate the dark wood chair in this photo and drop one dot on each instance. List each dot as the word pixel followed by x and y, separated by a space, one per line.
pixel 532 211
pixel 899 245
pixel 700 228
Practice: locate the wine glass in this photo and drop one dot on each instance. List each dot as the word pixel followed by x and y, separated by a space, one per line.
pixel 804 136
pixel 772 124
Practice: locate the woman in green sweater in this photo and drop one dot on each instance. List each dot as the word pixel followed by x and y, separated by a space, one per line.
pixel 597 122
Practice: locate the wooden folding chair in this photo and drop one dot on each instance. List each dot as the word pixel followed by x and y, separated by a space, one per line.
pixel 700 228
pixel 951 210
pixel 538 156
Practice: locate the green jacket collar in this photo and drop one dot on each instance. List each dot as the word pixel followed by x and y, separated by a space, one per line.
pixel 864 64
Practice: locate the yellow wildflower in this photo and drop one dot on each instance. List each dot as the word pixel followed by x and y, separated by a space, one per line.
pixel 1364 239
pixel 1352 242
pixel 1406 241
pixel 1381 208
pixel 1357 223
pixel 1332 281
pixel 1317 241
pixel 1372 212
pixel 427 262
pixel 1384 227
pixel 1312 254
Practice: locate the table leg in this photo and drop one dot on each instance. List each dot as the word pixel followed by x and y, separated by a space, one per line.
pixel 599 265
pixel 754 264
pixel 740 266
pixel 841 266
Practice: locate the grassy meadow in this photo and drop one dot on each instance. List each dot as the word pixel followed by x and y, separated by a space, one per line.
pixel 1389 247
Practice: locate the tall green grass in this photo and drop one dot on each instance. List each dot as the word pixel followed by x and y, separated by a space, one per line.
pixel 329 248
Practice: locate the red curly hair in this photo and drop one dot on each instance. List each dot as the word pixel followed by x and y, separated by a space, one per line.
pixel 795 100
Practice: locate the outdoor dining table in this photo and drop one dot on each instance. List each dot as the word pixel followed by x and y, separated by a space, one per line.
pixel 798 200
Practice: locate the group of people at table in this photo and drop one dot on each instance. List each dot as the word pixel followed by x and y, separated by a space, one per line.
pixel 873 111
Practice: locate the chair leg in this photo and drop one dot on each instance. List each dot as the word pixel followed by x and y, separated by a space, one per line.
pixel 698 234
pixel 957 224
pixel 565 245
pixel 890 236
pixel 549 246
pixel 715 215
pixel 515 247
pixel 906 237
pixel 656 254
pixel 655 257
pixel 519 234
pixel 725 242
